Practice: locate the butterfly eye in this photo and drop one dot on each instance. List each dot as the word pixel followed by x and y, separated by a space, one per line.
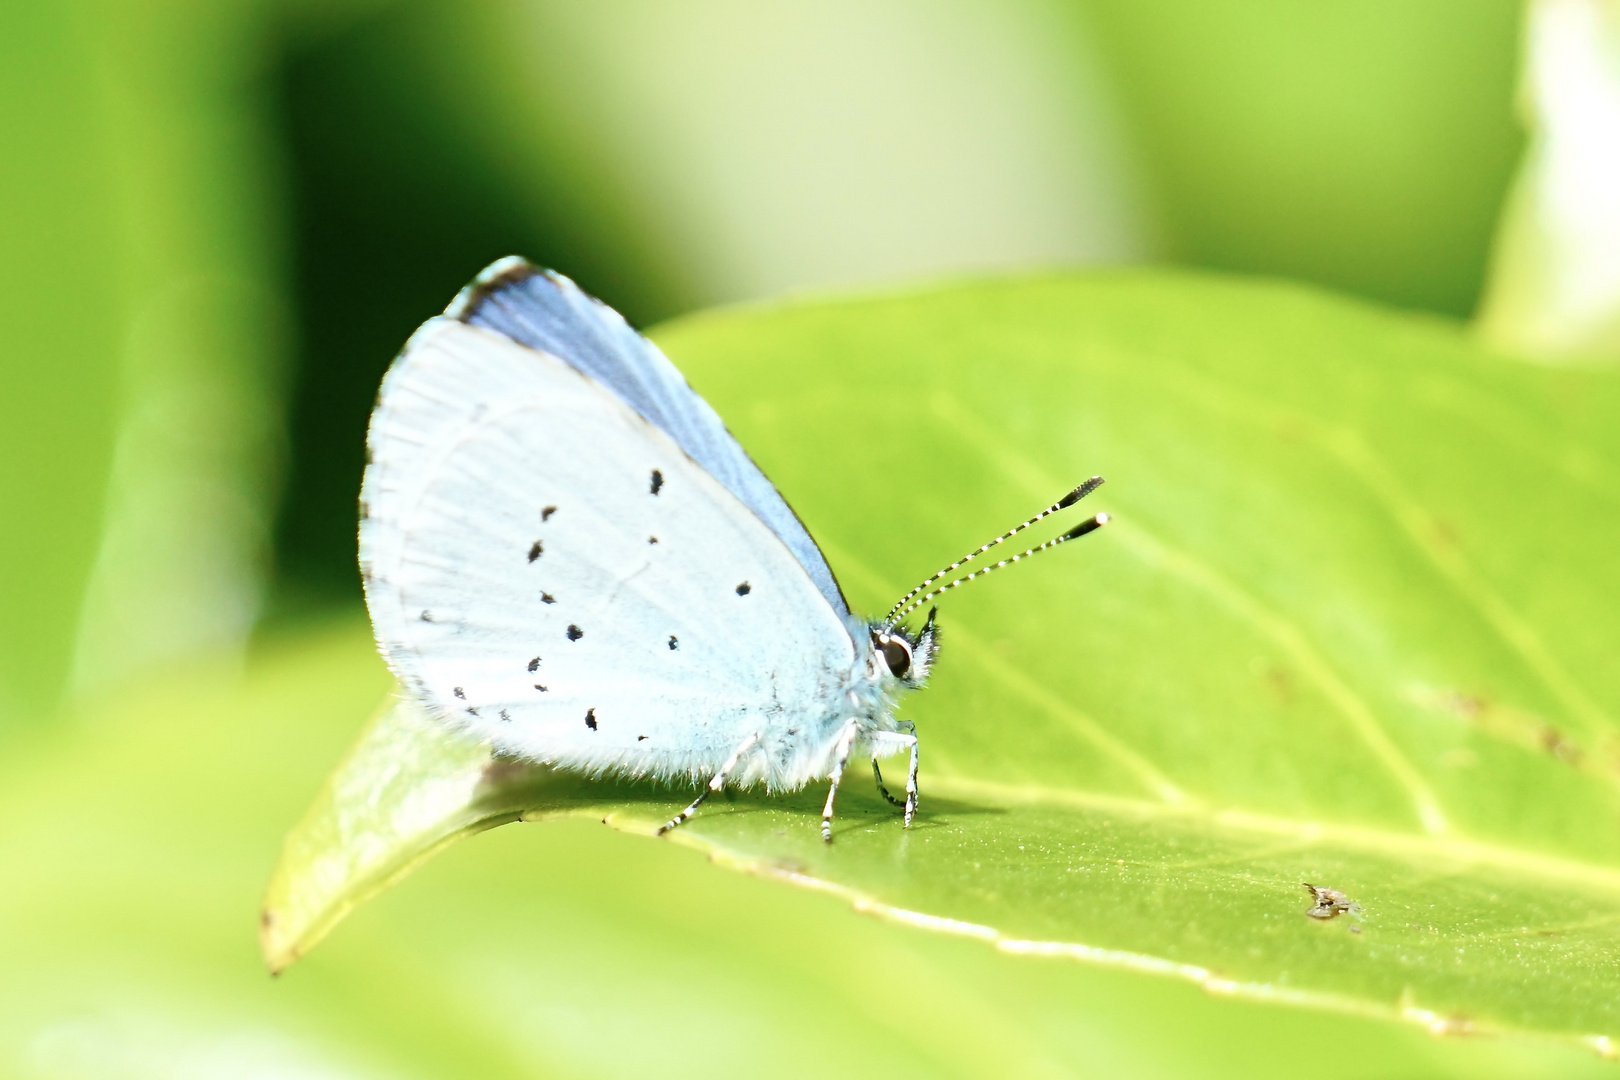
pixel 896 653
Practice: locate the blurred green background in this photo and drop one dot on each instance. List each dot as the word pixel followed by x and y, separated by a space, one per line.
pixel 219 221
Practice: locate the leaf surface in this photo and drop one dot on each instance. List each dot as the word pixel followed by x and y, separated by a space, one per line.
pixel 1353 627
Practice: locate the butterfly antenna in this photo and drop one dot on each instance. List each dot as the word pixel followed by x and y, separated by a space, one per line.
pixel 905 606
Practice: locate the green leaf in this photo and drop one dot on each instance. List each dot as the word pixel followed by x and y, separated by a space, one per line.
pixel 1353 627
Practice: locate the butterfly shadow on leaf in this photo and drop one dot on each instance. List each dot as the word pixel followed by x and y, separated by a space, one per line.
pixel 512 789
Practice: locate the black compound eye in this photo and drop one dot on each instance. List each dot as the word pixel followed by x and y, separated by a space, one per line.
pixel 896 653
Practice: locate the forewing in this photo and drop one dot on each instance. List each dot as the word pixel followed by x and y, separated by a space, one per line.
pixel 547 311
pixel 551 571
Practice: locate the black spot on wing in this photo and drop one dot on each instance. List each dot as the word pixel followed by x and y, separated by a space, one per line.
pixel 590 719
pixel 545 514
pixel 657 481
pixel 536 550
pixel 574 632
pixel 744 589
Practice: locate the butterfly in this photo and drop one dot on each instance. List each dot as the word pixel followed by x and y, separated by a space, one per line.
pixel 566 554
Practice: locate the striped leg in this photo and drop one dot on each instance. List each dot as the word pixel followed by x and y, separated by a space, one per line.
pixel 846 742
pixel 911 785
pixel 877 774
pixel 910 742
pixel 714 785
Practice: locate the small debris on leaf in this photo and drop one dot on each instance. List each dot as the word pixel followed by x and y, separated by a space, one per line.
pixel 1330 903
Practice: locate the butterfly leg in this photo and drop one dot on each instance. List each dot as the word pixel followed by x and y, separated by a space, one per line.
pixel 846 743
pixel 911 785
pixel 877 773
pixel 715 784
pixel 909 741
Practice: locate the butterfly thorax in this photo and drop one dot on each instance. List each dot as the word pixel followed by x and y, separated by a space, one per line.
pixel 795 750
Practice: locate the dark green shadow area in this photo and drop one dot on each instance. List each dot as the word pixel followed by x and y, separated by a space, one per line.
pixel 400 193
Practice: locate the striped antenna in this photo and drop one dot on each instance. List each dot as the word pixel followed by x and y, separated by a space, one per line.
pixel 1062 504
pixel 1089 525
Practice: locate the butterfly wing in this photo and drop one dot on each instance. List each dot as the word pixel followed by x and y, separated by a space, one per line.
pixel 549 569
pixel 546 311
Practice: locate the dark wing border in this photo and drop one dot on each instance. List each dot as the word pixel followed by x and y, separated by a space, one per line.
pixel 545 310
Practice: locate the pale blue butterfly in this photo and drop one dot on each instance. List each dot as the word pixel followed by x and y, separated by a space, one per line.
pixel 566 554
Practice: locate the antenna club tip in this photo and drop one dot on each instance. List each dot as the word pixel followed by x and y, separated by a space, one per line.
pixel 1079 493
pixel 1086 526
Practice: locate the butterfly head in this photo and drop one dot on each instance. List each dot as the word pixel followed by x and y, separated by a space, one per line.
pixel 903 654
